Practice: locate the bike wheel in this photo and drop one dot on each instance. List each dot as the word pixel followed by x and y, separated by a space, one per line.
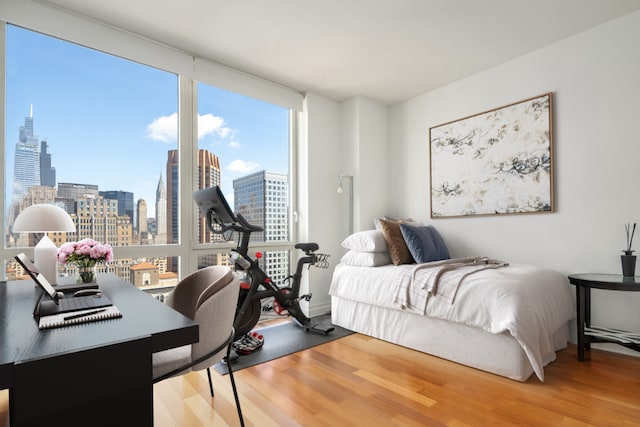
pixel 249 319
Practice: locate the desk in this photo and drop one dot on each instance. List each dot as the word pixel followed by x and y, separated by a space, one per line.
pixel 587 333
pixel 94 374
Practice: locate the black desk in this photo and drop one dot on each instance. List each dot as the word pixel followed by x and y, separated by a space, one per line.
pixel 94 374
pixel 587 333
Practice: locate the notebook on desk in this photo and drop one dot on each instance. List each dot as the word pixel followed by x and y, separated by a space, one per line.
pixel 56 302
pixel 78 317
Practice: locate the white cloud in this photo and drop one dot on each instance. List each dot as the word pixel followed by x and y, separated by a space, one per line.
pixel 235 144
pixel 165 128
pixel 209 124
pixel 242 166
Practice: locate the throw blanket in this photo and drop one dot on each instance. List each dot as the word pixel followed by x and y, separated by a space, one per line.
pixel 439 277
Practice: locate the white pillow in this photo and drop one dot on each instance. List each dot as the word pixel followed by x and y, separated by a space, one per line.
pixel 366 259
pixel 366 241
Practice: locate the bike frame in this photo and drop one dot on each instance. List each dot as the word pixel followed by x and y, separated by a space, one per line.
pixel 221 219
pixel 287 297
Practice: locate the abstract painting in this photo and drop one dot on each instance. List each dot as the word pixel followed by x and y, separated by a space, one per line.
pixel 495 162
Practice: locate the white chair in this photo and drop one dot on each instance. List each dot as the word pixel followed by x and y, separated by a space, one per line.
pixel 208 296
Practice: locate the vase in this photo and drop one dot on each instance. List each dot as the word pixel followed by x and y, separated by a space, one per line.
pixel 628 264
pixel 86 274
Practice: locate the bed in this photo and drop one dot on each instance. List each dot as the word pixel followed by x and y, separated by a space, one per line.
pixel 507 319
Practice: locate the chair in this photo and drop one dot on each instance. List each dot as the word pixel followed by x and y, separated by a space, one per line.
pixel 208 296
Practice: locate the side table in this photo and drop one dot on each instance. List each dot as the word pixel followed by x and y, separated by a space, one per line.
pixel 587 333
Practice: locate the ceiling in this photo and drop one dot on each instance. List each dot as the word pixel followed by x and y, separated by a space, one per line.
pixel 387 50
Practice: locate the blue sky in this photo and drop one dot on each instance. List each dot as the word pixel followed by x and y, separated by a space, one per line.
pixel 110 122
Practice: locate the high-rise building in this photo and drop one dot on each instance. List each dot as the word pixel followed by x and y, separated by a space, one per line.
pixel 26 162
pixel 142 226
pixel 69 192
pixel 208 175
pixel 97 218
pixel 141 217
pixel 161 212
pixel 47 172
pixel 125 201
pixel 173 187
pixel 262 199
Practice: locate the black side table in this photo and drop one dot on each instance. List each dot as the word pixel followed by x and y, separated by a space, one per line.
pixel 587 333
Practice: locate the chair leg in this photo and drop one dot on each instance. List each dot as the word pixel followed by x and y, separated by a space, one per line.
pixel 210 382
pixel 233 385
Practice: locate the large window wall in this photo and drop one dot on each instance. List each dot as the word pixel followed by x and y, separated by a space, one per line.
pixel 109 116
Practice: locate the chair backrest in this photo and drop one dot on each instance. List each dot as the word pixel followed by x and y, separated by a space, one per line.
pixel 209 296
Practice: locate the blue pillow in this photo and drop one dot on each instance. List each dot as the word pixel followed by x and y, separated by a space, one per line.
pixel 424 242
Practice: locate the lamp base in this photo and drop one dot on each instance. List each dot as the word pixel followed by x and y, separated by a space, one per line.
pixel 46 259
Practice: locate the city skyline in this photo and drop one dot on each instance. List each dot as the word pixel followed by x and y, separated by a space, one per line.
pixel 91 108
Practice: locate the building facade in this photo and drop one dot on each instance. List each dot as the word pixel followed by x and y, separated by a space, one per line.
pixel 262 199
pixel 161 213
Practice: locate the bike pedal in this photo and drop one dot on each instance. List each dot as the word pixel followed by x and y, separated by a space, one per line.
pixel 306 297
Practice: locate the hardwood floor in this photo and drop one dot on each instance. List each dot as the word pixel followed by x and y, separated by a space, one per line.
pixel 361 381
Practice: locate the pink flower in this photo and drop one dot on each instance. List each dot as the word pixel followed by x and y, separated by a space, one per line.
pixel 85 252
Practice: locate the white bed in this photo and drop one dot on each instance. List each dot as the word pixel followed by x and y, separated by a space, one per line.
pixel 509 321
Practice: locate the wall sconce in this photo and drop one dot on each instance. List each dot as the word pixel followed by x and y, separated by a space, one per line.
pixel 44 218
pixel 340 191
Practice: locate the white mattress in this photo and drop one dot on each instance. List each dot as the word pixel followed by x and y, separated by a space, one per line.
pixel 362 300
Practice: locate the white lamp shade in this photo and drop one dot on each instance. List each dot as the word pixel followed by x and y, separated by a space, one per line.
pixel 43 218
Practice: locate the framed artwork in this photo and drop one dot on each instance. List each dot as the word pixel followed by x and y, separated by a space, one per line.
pixel 495 162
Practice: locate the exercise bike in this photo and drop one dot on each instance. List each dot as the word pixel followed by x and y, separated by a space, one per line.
pixel 220 219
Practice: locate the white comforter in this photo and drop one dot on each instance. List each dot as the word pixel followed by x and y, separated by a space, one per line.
pixel 530 303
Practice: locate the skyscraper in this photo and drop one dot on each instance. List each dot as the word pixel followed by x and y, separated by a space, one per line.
pixel 141 218
pixel 47 172
pixel 262 199
pixel 161 212
pixel 69 192
pixel 173 186
pixel 26 162
pixel 125 202
pixel 208 176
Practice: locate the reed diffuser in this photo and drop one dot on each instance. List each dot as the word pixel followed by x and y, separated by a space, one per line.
pixel 630 232
pixel 628 259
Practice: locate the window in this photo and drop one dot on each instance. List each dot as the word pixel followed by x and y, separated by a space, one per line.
pixel 247 142
pixel 94 131
pixel 104 137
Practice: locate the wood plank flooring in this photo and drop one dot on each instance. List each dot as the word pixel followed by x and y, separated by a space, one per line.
pixel 361 381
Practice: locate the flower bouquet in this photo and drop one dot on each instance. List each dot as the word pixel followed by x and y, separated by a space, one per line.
pixel 85 254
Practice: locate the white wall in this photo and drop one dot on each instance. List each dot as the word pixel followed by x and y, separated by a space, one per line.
pixel 348 138
pixel 594 77
pixel 365 143
pixel 318 201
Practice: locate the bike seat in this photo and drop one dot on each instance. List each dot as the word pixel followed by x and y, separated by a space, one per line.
pixel 307 247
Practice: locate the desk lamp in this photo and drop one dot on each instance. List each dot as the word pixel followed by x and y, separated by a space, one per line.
pixel 44 218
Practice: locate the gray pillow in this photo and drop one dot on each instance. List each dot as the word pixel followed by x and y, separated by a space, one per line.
pixel 424 243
